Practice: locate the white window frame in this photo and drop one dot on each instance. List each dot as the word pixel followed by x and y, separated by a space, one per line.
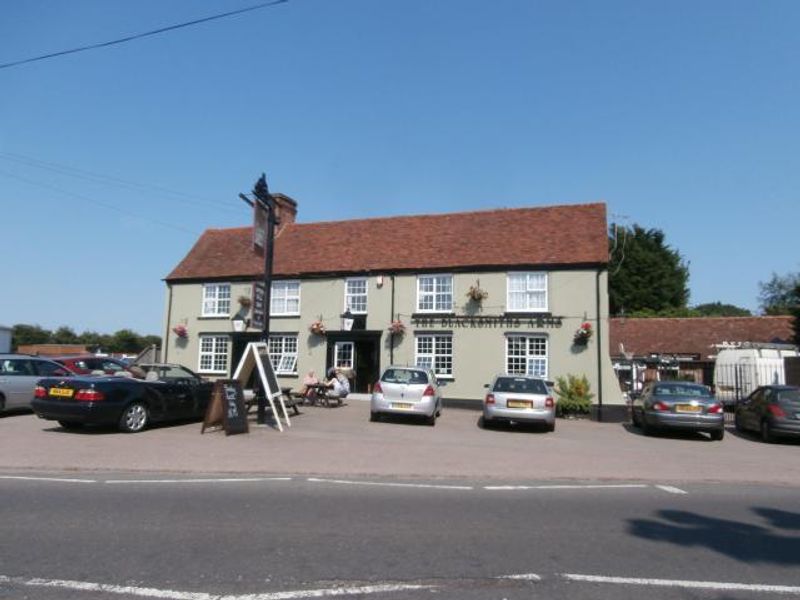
pixel 435 293
pixel 428 359
pixel 530 291
pixel 215 303
pixel 285 360
pixel 217 354
pixel 284 285
pixel 535 364
pixel 348 295
pixel 337 355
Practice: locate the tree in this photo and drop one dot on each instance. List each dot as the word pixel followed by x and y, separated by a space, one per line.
pixel 125 340
pixel 718 309
pixel 795 312
pixel 64 335
pixel 779 294
pixel 645 274
pixel 22 335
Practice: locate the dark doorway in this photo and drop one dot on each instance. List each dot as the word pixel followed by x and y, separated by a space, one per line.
pixel 239 342
pixel 362 350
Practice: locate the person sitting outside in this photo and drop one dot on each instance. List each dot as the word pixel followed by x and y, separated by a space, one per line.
pixel 337 385
pixel 308 392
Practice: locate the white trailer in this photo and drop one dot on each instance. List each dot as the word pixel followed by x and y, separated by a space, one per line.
pixel 738 371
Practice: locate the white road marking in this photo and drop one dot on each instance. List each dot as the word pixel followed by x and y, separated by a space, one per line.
pixel 224 480
pixel 58 479
pixel 88 586
pixel 522 576
pixel 678 583
pixel 566 487
pixel 671 489
pixel 390 484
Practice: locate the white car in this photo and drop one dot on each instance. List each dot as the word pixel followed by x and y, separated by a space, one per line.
pixel 519 399
pixel 406 391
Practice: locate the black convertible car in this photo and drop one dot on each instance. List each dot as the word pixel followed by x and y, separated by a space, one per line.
pixel 169 392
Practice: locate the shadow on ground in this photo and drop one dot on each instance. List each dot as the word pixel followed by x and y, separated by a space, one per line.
pixel 746 542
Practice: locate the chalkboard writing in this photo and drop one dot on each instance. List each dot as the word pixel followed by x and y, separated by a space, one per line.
pixel 226 408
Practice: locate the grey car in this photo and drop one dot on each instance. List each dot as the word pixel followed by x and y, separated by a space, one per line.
pixel 406 391
pixel 18 376
pixel 519 399
pixel 772 411
pixel 678 405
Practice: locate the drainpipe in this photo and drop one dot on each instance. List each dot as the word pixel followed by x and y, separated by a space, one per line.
pixel 165 343
pixel 599 350
pixel 391 335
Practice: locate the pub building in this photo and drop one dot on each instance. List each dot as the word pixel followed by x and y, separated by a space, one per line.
pixel 469 294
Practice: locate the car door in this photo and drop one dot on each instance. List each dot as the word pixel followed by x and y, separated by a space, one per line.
pixel 745 410
pixel 17 380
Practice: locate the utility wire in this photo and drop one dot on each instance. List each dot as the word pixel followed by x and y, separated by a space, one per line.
pixel 137 36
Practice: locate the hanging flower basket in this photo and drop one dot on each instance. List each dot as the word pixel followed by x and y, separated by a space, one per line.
pixel 397 327
pixel 180 331
pixel 476 293
pixel 245 301
pixel 583 334
pixel 317 328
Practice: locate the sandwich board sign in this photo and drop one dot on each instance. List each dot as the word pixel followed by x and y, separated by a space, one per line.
pixel 256 357
pixel 226 408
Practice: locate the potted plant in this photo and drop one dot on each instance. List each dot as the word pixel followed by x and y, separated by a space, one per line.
pixel 245 301
pixel 180 331
pixel 476 293
pixel 583 334
pixel 317 327
pixel 397 327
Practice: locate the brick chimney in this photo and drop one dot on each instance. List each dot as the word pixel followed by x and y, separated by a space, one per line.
pixel 285 209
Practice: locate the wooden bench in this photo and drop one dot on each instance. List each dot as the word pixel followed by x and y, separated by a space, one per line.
pixel 290 400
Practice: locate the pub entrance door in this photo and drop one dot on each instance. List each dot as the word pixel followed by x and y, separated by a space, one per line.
pixel 358 351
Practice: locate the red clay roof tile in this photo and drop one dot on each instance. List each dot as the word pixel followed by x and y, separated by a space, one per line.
pixel 554 235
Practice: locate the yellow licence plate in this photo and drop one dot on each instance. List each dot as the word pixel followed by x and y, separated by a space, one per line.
pixel 402 405
pixel 62 392
pixel 688 408
pixel 519 404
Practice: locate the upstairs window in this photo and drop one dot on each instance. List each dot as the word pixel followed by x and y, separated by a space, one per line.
pixel 285 298
pixel 355 295
pixel 216 299
pixel 527 292
pixel 435 293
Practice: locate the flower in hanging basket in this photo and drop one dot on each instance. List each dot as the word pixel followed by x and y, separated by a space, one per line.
pixel 317 328
pixel 180 331
pixel 245 301
pixel 397 326
pixel 583 333
pixel 476 293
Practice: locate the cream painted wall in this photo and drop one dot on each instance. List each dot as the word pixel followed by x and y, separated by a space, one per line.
pixel 478 353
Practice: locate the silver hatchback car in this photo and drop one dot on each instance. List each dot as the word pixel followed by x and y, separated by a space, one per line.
pixel 18 376
pixel 519 399
pixel 406 391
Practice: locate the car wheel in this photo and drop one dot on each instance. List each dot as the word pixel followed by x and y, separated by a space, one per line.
pixel 2 403
pixel 717 435
pixel 635 419
pixel 431 421
pixel 737 423
pixel 646 428
pixel 70 425
pixel 134 418
pixel 551 426
pixel 766 432
pixel 374 417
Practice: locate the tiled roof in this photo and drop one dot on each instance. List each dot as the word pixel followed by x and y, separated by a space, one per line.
pixel 694 336
pixel 547 236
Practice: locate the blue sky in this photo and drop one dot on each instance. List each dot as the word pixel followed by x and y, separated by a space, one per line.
pixel 683 116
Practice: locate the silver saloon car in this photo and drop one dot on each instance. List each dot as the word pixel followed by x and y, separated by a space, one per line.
pixel 678 405
pixel 519 399
pixel 406 391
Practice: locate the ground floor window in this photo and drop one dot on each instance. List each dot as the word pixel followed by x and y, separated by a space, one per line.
pixel 435 352
pixel 283 354
pixel 213 353
pixel 526 355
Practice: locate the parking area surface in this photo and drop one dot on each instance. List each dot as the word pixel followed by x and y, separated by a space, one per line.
pixel 342 441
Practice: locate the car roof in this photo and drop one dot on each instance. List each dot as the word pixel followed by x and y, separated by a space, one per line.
pixel 36 356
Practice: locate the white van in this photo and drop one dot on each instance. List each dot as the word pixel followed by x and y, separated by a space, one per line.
pixel 738 371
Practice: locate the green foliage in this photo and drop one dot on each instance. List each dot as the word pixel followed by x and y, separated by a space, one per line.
pixel 573 394
pixel 778 295
pixel 123 340
pixel 795 312
pixel 712 309
pixel 644 272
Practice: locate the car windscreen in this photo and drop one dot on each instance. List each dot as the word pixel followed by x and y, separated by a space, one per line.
pixel 410 376
pixel 789 396
pixel 681 389
pixel 520 385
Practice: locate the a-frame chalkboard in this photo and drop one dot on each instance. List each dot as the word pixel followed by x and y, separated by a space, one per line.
pixel 226 408
pixel 256 357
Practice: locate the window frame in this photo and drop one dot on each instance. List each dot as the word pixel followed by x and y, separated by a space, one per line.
pixel 528 356
pixel 286 298
pixel 435 293
pixel 528 291
pixel 433 355
pixel 348 294
pixel 215 352
pixel 284 362
pixel 216 300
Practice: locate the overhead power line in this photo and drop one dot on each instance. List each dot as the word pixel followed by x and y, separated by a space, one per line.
pixel 137 36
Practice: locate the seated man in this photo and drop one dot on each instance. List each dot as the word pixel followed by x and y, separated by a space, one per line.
pixel 334 385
